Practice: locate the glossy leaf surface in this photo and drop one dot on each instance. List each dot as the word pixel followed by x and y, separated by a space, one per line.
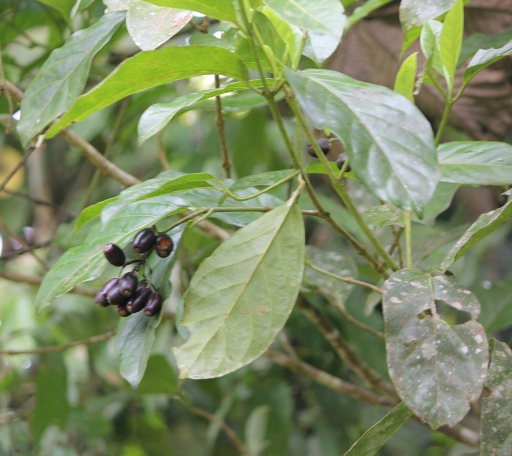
pixel 413 12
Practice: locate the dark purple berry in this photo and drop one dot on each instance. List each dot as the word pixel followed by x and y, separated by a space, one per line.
pixel 323 143
pixel 163 245
pixel 128 283
pixel 138 300
pixel 340 161
pixel 114 254
pixel 114 295
pixel 153 304
pixel 144 240
pixel 101 296
pixel 123 311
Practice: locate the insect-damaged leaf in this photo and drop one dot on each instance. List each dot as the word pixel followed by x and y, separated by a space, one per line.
pixel 437 368
pixel 240 297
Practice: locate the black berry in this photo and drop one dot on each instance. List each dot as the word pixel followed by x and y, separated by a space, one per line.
pixel 128 284
pixel 340 161
pixel 101 296
pixel 144 240
pixel 114 254
pixel 163 245
pixel 154 304
pixel 138 300
pixel 123 311
pixel 114 295
pixel 323 143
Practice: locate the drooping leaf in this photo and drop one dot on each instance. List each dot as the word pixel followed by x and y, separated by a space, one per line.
pixel 375 437
pixel 406 77
pixel 149 69
pixel 485 57
pixel 151 25
pixel 476 163
pixel 413 12
pixel 368 119
pixel 496 430
pixel 483 226
pixel 156 117
pixel 437 369
pixel 218 9
pixel 62 77
pixel 240 297
pixel 322 16
pixel 451 41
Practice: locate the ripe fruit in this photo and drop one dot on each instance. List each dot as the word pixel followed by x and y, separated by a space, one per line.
pixel 114 254
pixel 163 245
pixel 154 304
pixel 323 143
pixel 128 284
pixel 114 295
pixel 342 158
pixel 123 311
pixel 144 240
pixel 138 300
pixel 101 296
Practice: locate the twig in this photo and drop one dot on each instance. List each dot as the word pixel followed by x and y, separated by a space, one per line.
pixel 20 252
pixel 356 322
pixel 326 379
pixel 56 348
pixel 37 201
pixel 219 120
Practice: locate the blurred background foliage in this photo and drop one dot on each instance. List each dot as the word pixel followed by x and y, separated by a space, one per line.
pixel 73 401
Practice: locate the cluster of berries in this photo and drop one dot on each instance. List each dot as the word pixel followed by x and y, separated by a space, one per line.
pixel 325 146
pixel 128 293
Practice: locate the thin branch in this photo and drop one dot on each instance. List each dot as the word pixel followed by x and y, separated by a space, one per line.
pixel 341 309
pixel 20 252
pixel 219 120
pixel 57 348
pixel 326 379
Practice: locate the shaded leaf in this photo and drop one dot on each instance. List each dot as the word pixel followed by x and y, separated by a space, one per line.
pixel 413 12
pixel 496 431
pixel 406 77
pixel 149 69
pixel 263 179
pixel 62 77
pixel 368 119
pixel 375 437
pixel 240 297
pixel 320 47
pixel 437 368
pixel 150 25
pixel 255 430
pixel 484 225
pixel 318 167
pixel 322 16
pixel 159 377
pixel 386 214
pixel 496 299
pixel 485 57
pixel 64 7
pixel 476 162
pixel 218 9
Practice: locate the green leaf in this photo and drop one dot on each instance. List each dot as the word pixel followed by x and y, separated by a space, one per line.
pixel 317 167
pixel 64 7
pixel 484 225
pixel 150 69
pixel 496 309
pixel 241 296
pixel 375 437
pixel 368 119
pixel 477 41
pixel 430 40
pixel 218 9
pixel 386 214
pixel 496 430
pixel 364 10
pixel 150 25
pixel 451 41
pixel 159 378
pixel 62 77
pixel 255 430
pixel 320 47
pixel 322 16
pixel 406 77
pixel 437 368
pixel 156 117
pixel 91 212
pixel 263 179
pixel 134 340
pixel 413 12
pixel 485 57
pixel 476 162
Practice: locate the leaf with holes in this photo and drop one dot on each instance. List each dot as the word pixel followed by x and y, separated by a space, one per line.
pixel 241 296
pixel 496 431
pixel 437 368
pixel 390 144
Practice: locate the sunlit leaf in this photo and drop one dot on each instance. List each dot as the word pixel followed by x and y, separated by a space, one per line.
pixel 413 12
pixel 406 77
pixel 240 297
pixel 218 9
pixel 451 41
pixel 437 368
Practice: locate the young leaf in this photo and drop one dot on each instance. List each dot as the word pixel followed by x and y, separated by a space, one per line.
pixel 150 25
pixel 451 41
pixel 437 369
pixel 322 16
pixel 413 12
pixel 375 437
pixel 430 41
pixel 368 119
pixel 240 297
pixel 406 77
pixel 218 9
pixel 150 69
pixel 496 430
pixel 62 77
pixel 476 162
pixel 483 226
pixel 485 57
